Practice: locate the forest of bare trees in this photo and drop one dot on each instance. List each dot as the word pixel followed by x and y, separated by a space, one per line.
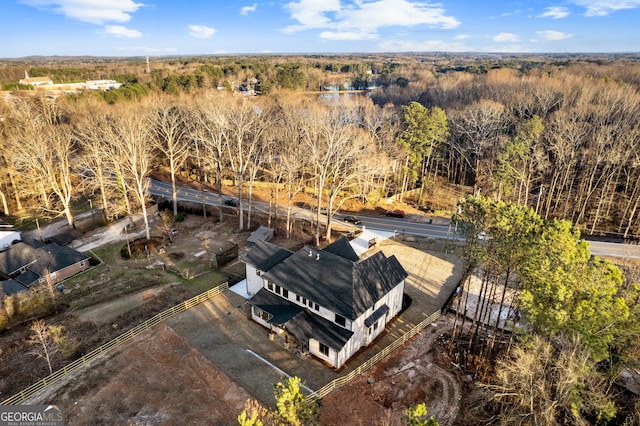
pixel 560 139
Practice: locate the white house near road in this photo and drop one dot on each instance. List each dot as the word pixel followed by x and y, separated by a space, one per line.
pixel 327 301
pixel 8 235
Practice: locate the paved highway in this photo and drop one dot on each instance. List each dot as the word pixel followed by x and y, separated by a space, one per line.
pixel 382 223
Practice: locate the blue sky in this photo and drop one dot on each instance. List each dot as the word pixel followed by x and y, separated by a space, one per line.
pixel 184 27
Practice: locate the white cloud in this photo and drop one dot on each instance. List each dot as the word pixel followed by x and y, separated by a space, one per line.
pixel 505 37
pixel 461 37
pixel 201 31
pixel 92 11
pixel 364 18
pixel 422 46
pixel 550 35
pixel 248 9
pixel 311 14
pixel 555 12
pixel 605 7
pixel 120 31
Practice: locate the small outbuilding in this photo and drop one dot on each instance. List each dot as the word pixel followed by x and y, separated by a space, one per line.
pixel 263 233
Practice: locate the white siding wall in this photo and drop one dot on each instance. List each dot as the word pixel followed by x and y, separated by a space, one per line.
pixel 332 358
pixel 8 237
pixel 254 281
pixel 361 335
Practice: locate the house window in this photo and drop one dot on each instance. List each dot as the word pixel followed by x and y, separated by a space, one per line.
pixel 270 286
pixel 81 263
pixel 324 349
pixel 258 272
pixel 340 320
pixel 278 289
pixel 304 300
pixel 263 315
pixel 297 298
pixel 285 293
pixel 316 307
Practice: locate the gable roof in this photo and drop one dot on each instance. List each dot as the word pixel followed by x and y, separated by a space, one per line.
pixel 343 286
pixel 299 322
pixel 342 248
pixel 36 259
pixel 305 326
pixel 264 255
pixel 281 309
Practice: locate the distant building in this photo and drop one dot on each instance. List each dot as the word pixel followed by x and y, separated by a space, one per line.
pixel 35 81
pixel 46 83
pixel 102 84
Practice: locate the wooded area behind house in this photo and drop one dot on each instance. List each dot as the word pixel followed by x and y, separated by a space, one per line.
pixel 556 134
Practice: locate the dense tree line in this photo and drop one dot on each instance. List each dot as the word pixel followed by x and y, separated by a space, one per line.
pixel 559 137
pixel 551 326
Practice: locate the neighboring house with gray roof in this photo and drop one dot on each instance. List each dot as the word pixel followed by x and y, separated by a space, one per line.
pixel 27 264
pixel 328 300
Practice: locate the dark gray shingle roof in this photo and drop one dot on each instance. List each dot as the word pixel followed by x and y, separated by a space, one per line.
pixel 342 248
pixel 10 287
pixel 305 326
pixel 264 255
pixel 281 309
pixel 52 257
pixel 343 286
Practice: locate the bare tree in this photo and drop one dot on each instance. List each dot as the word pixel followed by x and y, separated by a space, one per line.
pixel 290 162
pixel 51 150
pixel 129 138
pixel 170 131
pixel 245 124
pixel 95 165
pixel 42 338
pixel 208 131
pixel 333 144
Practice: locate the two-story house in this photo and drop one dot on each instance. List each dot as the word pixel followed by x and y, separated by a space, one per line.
pixel 329 300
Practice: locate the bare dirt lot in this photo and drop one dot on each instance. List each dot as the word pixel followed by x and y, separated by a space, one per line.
pixel 418 372
pixel 158 380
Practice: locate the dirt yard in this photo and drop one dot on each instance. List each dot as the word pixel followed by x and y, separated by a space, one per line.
pixel 418 372
pixel 158 380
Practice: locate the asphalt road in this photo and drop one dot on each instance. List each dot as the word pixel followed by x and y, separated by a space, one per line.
pixel 401 226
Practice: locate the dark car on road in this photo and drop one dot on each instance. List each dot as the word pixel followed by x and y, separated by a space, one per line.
pixel 352 219
pixel 231 202
pixel 395 213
